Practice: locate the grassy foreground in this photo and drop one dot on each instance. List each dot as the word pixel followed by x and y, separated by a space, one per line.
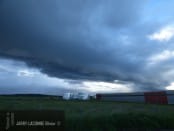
pixel 98 115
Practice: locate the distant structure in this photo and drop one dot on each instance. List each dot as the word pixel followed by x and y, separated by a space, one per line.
pixel 159 97
pixel 76 96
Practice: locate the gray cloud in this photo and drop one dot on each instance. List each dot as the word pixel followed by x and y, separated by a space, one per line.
pixel 82 40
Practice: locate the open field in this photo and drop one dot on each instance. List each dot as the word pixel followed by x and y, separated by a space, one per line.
pixel 98 115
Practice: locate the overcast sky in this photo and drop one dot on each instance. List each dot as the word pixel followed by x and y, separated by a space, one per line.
pixel 55 46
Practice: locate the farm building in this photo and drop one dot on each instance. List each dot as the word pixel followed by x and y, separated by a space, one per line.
pixel 158 97
pixel 76 96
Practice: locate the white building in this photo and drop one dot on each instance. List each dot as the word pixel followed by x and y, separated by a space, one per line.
pixel 76 96
pixel 67 96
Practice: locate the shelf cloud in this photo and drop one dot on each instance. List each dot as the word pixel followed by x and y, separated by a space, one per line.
pixel 92 40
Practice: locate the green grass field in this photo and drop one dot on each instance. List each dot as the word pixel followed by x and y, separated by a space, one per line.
pixel 98 115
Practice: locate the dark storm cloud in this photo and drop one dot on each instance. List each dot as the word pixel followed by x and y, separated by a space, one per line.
pixel 78 39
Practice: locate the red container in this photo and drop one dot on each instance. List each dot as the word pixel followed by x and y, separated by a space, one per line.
pixel 156 97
